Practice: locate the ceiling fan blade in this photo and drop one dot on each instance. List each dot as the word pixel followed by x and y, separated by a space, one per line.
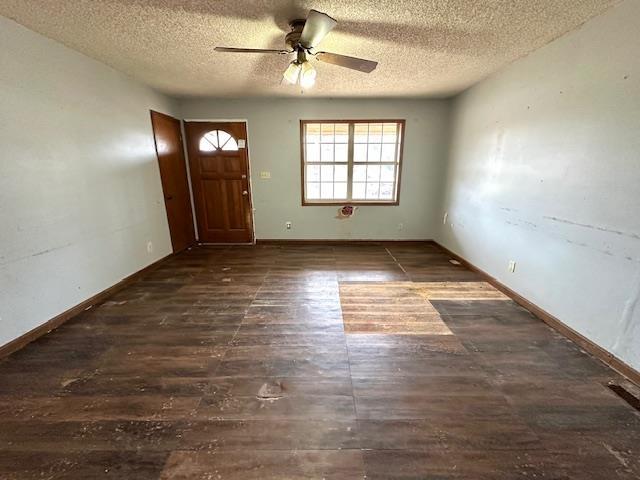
pixel 353 63
pixel 316 27
pixel 248 50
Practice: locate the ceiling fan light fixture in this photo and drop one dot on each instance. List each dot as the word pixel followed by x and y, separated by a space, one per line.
pixel 307 75
pixel 302 40
pixel 292 73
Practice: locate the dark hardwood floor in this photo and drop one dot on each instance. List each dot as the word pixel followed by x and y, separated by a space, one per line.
pixel 305 361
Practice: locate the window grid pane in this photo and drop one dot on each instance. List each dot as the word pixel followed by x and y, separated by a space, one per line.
pixel 351 161
pixel 327 133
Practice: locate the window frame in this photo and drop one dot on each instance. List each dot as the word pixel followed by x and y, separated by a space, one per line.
pixel 350 163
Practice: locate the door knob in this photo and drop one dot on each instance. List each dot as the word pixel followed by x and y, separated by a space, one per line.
pixel 245 193
pixel 169 197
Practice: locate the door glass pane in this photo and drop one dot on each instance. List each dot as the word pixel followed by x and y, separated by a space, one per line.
pixel 223 137
pixel 217 140
pixel 230 145
pixel 207 144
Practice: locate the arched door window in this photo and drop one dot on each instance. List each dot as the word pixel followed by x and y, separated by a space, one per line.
pixel 217 140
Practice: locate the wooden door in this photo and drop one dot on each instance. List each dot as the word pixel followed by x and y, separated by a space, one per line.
pixel 175 185
pixel 220 179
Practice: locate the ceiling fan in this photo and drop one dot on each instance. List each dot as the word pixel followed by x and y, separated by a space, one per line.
pixel 302 40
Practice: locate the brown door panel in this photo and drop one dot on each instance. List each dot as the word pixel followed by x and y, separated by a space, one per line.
pixel 173 174
pixel 213 198
pixel 220 180
pixel 235 210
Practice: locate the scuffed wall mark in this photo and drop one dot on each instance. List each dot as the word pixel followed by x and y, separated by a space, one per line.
pixel 49 250
pixel 627 325
pixel 521 223
pixel 517 222
pixel 594 227
pixel 37 254
pixel 599 250
pixel 580 244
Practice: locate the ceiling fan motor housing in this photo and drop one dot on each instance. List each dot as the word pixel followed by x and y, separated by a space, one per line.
pixel 292 39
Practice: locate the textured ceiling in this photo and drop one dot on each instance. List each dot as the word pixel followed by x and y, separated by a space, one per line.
pixel 424 48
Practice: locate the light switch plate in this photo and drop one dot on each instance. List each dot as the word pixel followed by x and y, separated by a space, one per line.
pixel 265 174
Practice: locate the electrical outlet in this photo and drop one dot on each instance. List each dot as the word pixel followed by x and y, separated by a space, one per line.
pixel 149 247
pixel 288 225
pixel 401 226
pixel 265 175
pixel 445 217
pixel 512 266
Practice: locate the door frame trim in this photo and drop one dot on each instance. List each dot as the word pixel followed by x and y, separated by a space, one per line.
pixel 250 182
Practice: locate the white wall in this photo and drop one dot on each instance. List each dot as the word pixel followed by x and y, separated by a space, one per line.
pixel 274 145
pixel 545 170
pixel 80 192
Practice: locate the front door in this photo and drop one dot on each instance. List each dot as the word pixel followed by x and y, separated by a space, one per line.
pixel 220 179
pixel 173 174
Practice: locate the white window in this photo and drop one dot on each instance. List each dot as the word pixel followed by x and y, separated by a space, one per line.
pixel 217 140
pixel 354 161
